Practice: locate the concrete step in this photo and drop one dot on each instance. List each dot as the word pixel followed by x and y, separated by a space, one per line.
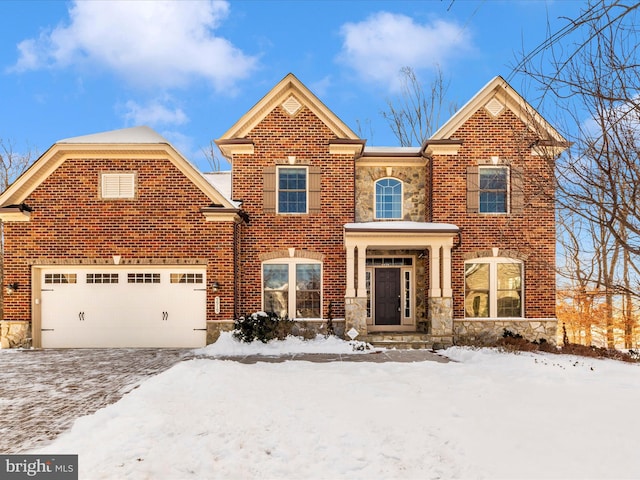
pixel 399 340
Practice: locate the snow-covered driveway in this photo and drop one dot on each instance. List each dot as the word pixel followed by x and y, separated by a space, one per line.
pixel 42 392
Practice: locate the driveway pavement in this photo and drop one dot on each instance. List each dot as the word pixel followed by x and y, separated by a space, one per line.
pixel 42 392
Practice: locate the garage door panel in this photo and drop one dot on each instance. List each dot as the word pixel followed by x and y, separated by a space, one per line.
pixel 124 307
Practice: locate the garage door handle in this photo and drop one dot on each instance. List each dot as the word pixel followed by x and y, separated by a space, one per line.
pixel 165 316
pixel 199 329
pixel 81 316
pixel 47 329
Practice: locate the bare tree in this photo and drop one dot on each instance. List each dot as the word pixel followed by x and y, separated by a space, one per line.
pixel 415 114
pixel 12 165
pixel 211 154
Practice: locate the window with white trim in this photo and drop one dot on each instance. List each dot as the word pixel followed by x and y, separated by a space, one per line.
pixel 292 189
pixel 493 189
pixel 493 288
pixel 292 287
pixel 118 185
pixel 388 198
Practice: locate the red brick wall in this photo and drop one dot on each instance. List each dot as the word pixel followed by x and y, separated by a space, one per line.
pixel 276 138
pixel 530 232
pixel 70 221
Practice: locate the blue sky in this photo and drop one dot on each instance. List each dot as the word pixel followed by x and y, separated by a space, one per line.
pixel 190 70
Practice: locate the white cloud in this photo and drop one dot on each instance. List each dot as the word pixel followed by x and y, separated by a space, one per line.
pixel 378 47
pixel 148 43
pixel 153 113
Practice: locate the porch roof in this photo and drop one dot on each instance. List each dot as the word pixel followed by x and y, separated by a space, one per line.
pixel 401 226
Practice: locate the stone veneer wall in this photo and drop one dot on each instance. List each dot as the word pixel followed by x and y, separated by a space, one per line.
pixel 15 334
pixel 413 189
pixel 486 332
pixel 303 328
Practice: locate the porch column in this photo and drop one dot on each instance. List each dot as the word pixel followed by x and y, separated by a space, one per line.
pixel 434 269
pixel 362 268
pixel 351 289
pixel 446 269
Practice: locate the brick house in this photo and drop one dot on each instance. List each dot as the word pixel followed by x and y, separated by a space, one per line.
pixel 115 239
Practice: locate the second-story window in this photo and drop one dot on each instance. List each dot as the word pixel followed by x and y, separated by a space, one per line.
pixel 389 198
pixel 292 190
pixel 493 189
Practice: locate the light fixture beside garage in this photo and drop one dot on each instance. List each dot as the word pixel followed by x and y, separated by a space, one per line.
pixel 12 287
pixel 215 286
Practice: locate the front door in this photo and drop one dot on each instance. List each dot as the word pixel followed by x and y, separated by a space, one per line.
pixel 387 296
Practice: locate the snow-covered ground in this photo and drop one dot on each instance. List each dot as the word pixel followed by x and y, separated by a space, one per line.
pixel 487 415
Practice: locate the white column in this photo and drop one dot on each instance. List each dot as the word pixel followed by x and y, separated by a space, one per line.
pixel 351 289
pixel 434 269
pixel 446 269
pixel 362 268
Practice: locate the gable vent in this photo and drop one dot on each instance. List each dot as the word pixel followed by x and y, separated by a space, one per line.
pixel 291 105
pixel 494 107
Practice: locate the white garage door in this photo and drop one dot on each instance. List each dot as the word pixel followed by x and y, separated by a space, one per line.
pixel 123 307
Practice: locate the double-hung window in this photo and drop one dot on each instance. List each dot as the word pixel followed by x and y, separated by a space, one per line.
pixel 292 189
pixel 493 288
pixel 389 198
pixel 494 189
pixel 292 287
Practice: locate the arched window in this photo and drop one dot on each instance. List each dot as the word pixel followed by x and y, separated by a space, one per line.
pixel 389 198
pixel 493 288
pixel 292 287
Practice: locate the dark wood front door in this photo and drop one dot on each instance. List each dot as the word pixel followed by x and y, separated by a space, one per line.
pixel 387 296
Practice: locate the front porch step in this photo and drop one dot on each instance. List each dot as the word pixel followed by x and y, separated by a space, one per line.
pixel 399 340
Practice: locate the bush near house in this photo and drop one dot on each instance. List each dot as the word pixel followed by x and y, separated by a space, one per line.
pixel 514 342
pixel 262 326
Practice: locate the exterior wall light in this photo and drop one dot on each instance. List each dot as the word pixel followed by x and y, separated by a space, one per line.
pixel 12 287
pixel 215 286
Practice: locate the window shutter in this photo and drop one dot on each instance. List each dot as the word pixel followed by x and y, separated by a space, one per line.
pixel 269 189
pixel 473 190
pixel 314 189
pixel 517 189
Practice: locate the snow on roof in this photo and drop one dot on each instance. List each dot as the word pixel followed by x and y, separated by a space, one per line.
pixel 402 226
pixel 141 134
pixel 221 181
pixel 391 150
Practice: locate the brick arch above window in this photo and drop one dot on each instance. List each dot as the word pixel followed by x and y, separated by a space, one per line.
pixel 286 253
pixel 504 253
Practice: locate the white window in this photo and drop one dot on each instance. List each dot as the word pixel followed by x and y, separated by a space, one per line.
pixel 292 190
pixel 292 287
pixel 60 278
pixel 118 185
pixel 494 189
pixel 493 288
pixel 388 198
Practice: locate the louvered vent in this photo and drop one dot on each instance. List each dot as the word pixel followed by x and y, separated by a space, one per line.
pixel 118 185
pixel 291 105
pixel 494 107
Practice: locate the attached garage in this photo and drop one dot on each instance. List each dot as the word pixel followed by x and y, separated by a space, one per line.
pixel 120 306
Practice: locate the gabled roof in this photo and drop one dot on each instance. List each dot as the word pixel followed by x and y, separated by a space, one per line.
pixel 292 94
pixel 136 142
pixel 495 96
